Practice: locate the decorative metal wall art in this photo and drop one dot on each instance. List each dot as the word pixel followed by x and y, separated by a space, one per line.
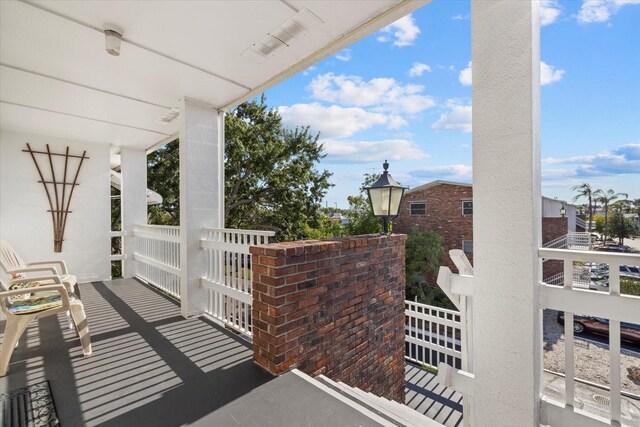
pixel 58 192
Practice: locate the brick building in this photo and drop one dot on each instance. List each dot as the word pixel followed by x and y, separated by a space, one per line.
pixel 447 208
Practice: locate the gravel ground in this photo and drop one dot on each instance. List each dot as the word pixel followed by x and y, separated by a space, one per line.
pixel 591 359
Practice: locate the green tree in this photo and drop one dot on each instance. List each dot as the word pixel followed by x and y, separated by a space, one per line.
pixel 163 177
pixel 584 190
pixel 424 252
pixel 635 207
pixel 271 181
pixel 606 197
pixel 360 214
pixel 326 229
pixel 621 227
pixel 599 223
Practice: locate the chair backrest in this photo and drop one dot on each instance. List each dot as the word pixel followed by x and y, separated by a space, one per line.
pixel 9 259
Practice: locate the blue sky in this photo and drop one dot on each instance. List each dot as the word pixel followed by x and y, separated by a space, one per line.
pixel 404 94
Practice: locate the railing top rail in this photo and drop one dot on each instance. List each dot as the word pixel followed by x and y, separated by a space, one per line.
pixel 240 231
pixel 432 307
pixel 558 242
pixel 590 256
pixel 174 227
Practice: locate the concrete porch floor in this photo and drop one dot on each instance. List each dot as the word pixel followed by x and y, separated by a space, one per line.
pixel 152 367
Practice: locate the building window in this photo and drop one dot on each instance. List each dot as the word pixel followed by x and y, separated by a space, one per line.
pixel 419 208
pixel 467 247
pixel 467 207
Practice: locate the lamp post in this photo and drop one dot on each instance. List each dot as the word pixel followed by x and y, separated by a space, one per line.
pixel 385 196
pixel 563 211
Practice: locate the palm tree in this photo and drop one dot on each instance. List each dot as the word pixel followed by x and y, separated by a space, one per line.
pixel 584 190
pixel 606 197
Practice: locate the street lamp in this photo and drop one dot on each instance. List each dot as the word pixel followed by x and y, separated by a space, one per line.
pixel 385 196
pixel 563 211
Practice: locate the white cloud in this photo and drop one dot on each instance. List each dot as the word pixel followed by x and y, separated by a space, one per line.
pixel 457 172
pixel 601 10
pixel 465 76
pixel 549 11
pixel 575 159
pixel 459 17
pixel 344 55
pixel 343 151
pixel 418 69
pixel 335 121
pixel 308 70
pixel 623 160
pixel 548 74
pixel 404 32
pixel 458 118
pixel 382 94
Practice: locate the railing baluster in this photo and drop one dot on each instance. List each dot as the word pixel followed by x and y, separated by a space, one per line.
pixel 569 360
pixel 157 255
pixel 228 272
pixel 614 348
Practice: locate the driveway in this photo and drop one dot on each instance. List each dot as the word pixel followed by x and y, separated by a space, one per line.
pixel 591 355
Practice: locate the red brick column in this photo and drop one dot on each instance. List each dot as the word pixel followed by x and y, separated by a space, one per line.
pixel 553 227
pixel 333 307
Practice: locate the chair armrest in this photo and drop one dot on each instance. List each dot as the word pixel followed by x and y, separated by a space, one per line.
pixel 51 270
pixel 53 277
pixel 40 289
pixel 62 264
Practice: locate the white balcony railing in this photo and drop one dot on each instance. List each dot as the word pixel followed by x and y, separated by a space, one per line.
pixel 157 256
pixel 228 277
pixel 572 240
pixel 608 305
pixel 432 335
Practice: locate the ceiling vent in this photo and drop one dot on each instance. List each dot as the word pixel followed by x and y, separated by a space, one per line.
pixel 168 116
pixel 284 35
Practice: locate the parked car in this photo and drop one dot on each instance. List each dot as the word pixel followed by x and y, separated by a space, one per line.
pixel 601 271
pixel 629 332
pixel 630 271
pixel 613 248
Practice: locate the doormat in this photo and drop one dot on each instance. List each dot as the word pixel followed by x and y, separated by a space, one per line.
pixel 30 406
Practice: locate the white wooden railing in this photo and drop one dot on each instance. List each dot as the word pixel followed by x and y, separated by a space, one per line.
pixel 157 256
pixel 572 240
pixel 579 279
pixel 228 277
pixel 432 335
pixel 612 305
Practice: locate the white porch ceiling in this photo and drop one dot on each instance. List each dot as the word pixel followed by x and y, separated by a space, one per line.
pixel 56 78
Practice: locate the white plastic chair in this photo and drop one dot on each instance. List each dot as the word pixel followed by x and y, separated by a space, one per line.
pixel 12 264
pixel 24 305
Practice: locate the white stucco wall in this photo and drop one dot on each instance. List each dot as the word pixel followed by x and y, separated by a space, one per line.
pixel 24 220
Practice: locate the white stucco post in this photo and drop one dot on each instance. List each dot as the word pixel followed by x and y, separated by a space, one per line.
pixel 507 212
pixel 133 200
pixel 201 194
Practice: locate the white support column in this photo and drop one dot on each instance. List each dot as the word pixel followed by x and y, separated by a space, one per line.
pixel 133 192
pixel 201 195
pixel 507 213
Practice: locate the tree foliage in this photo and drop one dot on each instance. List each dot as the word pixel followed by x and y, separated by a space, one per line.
pixel 163 177
pixel 360 214
pixel 270 176
pixel 424 252
pixel 585 191
pixel 326 229
pixel 271 181
pixel 621 227
pixel 606 198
